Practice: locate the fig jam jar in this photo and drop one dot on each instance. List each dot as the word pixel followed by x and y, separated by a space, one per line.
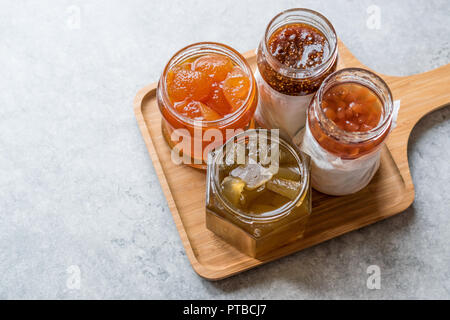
pixel 258 194
pixel 349 119
pixel 298 51
pixel 206 93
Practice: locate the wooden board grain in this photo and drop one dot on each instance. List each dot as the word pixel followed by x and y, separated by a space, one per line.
pixel 390 192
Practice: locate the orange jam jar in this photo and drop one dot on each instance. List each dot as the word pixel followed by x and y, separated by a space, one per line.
pixel 258 193
pixel 298 51
pixel 206 94
pixel 349 119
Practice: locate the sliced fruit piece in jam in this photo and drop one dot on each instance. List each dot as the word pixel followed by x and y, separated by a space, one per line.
pixel 232 189
pixel 208 88
pixel 208 114
pixel 182 83
pixel 286 188
pixel 217 100
pixel 196 110
pixel 236 87
pixel 214 65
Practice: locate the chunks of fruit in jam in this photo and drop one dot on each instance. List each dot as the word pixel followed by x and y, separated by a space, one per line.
pixel 257 188
pixel 253 174
pixel 353 107
pixel 212 80
pixel 196 110
pixel 183 83
pixel 214 65
pixel 217 100
pixel 248 197
pixel 283 187
pixel 289 173
pixel 236 87
pixel 232 189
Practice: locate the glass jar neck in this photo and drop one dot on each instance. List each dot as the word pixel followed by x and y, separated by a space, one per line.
pixel 308 17
pixel 367 79
pixel 217 157
pixel 197 50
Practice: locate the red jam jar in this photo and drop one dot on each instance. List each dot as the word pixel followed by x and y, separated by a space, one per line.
pixel 349 119
pixel 351 89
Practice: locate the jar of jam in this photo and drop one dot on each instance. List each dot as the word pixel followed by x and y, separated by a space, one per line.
pixel 206 94
pixel 348 120
pixel 298 51
pixel 258 194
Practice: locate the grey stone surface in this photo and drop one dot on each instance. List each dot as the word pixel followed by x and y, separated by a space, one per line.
pixel 77 187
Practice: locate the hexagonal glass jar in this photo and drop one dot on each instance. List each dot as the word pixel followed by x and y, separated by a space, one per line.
pixel 257 234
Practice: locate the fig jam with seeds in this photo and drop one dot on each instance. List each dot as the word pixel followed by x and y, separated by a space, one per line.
pixel 297 47
pixel 298 51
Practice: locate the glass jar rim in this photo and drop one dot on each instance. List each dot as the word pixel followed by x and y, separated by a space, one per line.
pixel 302 163
pixel 302 73
pixel 331 128
pixel 218 48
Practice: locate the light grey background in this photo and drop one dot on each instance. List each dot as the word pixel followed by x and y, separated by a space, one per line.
pixel 77 186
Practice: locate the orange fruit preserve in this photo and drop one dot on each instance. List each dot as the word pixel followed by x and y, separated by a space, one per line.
pixel 207 88
pixel 354 108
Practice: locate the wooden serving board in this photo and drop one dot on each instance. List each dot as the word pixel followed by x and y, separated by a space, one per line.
pixel 390 192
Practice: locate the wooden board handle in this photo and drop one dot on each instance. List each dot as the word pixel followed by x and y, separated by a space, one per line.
pixel 420 93
pixel 429 91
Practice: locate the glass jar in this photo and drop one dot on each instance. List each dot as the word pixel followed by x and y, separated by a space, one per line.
pixel 342 143
pixel 271 220
pixel 291 71
pixel 188 137
pixel 343 161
